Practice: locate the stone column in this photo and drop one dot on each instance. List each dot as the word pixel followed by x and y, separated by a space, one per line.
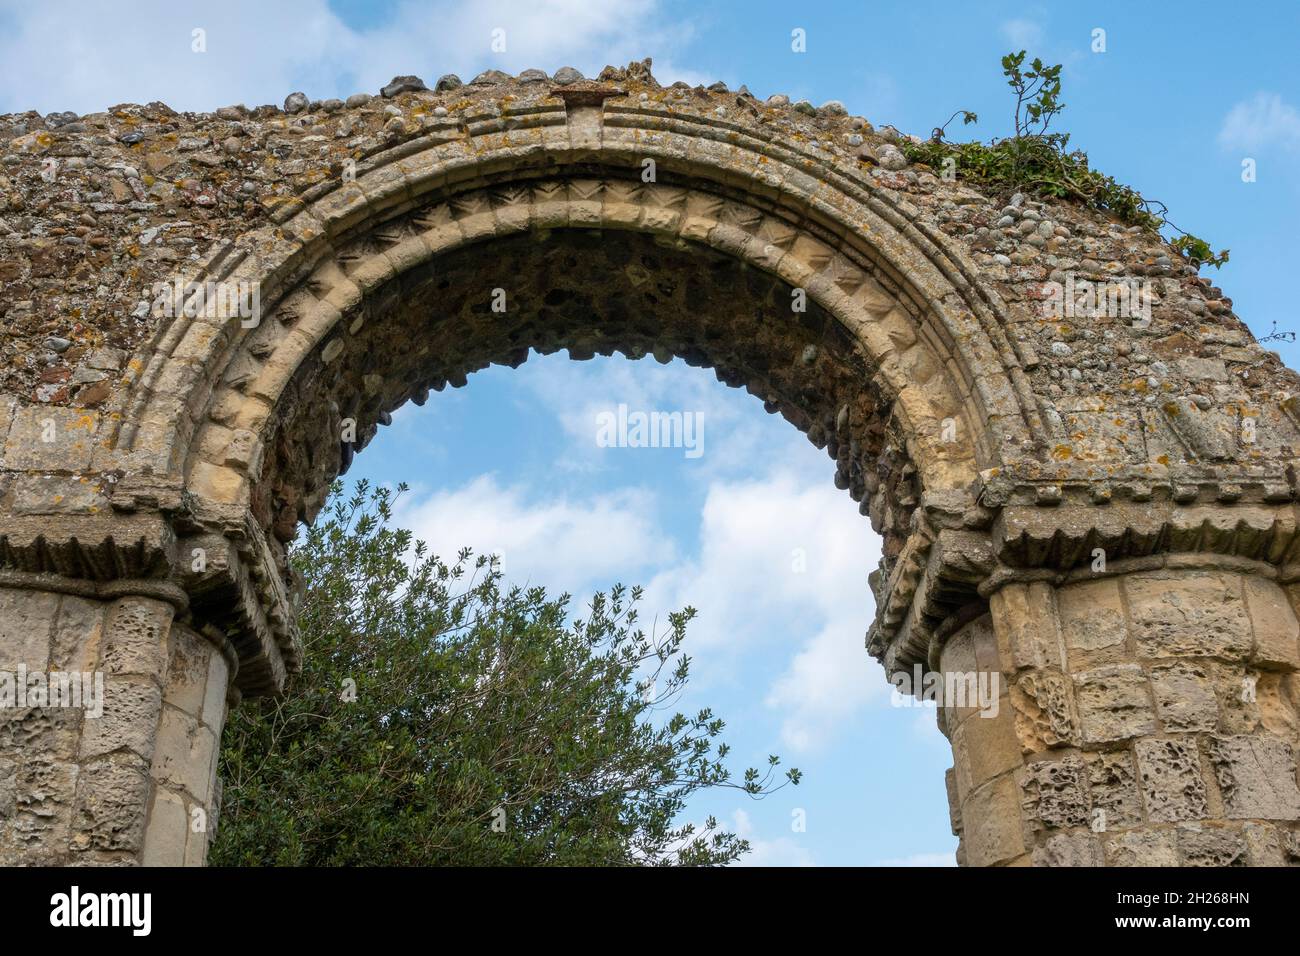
pixel 1145 718
pixel 123 778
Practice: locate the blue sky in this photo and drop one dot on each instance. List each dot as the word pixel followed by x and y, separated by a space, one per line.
pixel 1172 107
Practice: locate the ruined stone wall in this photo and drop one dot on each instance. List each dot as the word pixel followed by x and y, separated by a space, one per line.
pixel 1002 439
pixel 1146 718
pixel 128 781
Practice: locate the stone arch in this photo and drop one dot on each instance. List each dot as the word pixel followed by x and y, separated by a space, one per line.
pixel 983 437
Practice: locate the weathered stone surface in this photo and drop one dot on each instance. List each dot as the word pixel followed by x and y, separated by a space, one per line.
pixel 1092 622
pixel 1199 614
pixel 1257 777
pixel 1116 803
pixel 1211 846
pixel 1170 775
pixel 1114 703
pixel 1089 480
pixel 1184 696
pixel 1044 710
pixel 1142 847
pixel 1056 793
pixel 1069 849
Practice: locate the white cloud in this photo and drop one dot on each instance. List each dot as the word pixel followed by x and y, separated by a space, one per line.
pixel 735 439
pixel 566 546
pixel 784 556
pixel 1022 33
pixel 782 851
pixel 86 56
pixel 1263 121
pixel 922 859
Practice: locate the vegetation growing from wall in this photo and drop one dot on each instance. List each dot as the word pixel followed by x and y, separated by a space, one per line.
pixel 1039 161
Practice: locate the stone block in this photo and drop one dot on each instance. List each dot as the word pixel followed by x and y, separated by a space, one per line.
pixel 78 632
pixel 1056 793
pixel 129 720
pixel 949 783
pixel 112 794
pixel 1273 624
pixel 1092 622
pixel 1024 620
pixel 187 670
pixel 1257 776
pixel 1237 690
pixel 214 701
pixel 1188 614
pixel 1264 845
pixel 1142 847
pixel 990 744
pixel 185 754
pixel 1069 849
pixel 1185 698
pixel 1042 702
pixel 135 637
pixel 990 817
pixel 168 831
pixel 26 626
pixel 1201 845
pixel 1170 776
pixel 1114 703
pixel 1112 781
pixel 51 438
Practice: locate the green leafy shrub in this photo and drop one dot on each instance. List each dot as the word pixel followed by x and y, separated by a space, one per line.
pixel 442 718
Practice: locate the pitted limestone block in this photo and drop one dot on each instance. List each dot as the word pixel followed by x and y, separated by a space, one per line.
pixel 168 831
pixel 135 637
pixel 1188 614
pixel 185 755
pixel 51 438
pixel 1291 847
pixel 1143 847
pixel 1257 777
pixel 1116 803
pixel 1264 845
pixel 1276 695
pixel 1185 698
pixel 111 795
pixel 1172 786
pixel 129 721
pixel 50 730
pixel 1092 622
pixel 1237 688
pixel 1069 849
pixel 1024 619
pixel 78 632
pixel 1043 707
pixel 1201 845
pixel 187 670
pixel 991 831
pixel 36 799
pixel 1114 703
pixel 1274 625
pixel 1056 793
pixel 26 623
